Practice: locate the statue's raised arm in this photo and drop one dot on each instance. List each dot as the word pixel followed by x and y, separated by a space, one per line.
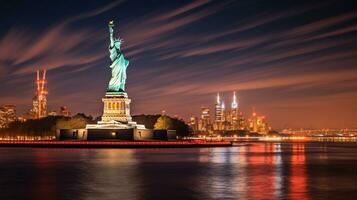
pixel 111 25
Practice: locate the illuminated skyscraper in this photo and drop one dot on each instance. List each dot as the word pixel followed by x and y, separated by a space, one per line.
pixel 234 101
pixel 205 121
pixel 219 114
pixel 39 101
pixel 233 115
pixel 218 109
pixel 34 110
pixel 241 121
pixel 258 124
pixel 223 112
pixel 193 123
pixel 253 121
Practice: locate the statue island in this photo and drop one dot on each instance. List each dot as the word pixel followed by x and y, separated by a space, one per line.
pixel 116 121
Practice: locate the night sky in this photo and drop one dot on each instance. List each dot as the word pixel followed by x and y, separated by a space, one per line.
pixel 295 61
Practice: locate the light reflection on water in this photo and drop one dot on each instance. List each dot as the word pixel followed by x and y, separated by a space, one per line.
pixel 254 171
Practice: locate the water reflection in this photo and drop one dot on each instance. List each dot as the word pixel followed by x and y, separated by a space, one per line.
pixel 222 173
pixel 112 174
pixel 258 172
pixel 262 171
pixel 298 187
pixel 241 180
pixel 279 175
pixel 254 171
pixel 43 186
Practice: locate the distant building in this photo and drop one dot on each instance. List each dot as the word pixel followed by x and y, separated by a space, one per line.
pixel 242 122
pixel 258 124
pixel 193 123
pixel 34 112
pixel 232 115
pixel 219 114
pixel 228 118
pixel 64 111
pixel 7 115
pixel 219 106
pixel 205 121
pixel 52 113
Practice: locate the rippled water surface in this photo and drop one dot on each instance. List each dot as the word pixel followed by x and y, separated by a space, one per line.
pixel 255 171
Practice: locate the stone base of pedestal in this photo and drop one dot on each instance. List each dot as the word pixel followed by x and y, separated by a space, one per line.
pixel 113 130
pixel 127 132
pixel 116 107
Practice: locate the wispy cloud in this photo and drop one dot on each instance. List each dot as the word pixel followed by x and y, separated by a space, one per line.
pixel 94 12
pixel 153 32
pixel 56 46
pixel 183 9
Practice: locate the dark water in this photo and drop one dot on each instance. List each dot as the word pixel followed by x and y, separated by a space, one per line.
pixel 259 171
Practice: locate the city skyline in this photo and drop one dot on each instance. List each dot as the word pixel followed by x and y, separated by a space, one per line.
pixel 296 67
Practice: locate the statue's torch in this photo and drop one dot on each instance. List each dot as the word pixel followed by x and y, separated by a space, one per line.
pixel 111 23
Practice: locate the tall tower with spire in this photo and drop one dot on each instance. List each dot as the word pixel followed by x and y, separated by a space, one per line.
pixel 233 114
pixel 234 101
pixel 219 109
pixel 39 101
pixel 219 113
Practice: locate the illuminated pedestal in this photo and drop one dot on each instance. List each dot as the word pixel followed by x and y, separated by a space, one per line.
pixel 116 107
pixel 116 121
pixel 116 113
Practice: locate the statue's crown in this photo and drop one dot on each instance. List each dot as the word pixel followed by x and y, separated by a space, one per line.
pixel 118 40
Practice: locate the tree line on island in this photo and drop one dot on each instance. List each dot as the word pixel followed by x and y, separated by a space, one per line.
pixel 47 126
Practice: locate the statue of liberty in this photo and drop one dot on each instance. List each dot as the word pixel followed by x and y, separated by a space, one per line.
pixel 119 63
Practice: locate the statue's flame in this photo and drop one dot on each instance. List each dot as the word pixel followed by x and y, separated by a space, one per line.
pixel 111 23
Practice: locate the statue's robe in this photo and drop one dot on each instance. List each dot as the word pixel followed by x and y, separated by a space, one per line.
pixel 118 66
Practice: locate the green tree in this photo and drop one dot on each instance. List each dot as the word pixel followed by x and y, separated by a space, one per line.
pixel 45 126
pixel 163 122
pixel 182 129
pixel 148 120
pixel 153 121
pixel 76 122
